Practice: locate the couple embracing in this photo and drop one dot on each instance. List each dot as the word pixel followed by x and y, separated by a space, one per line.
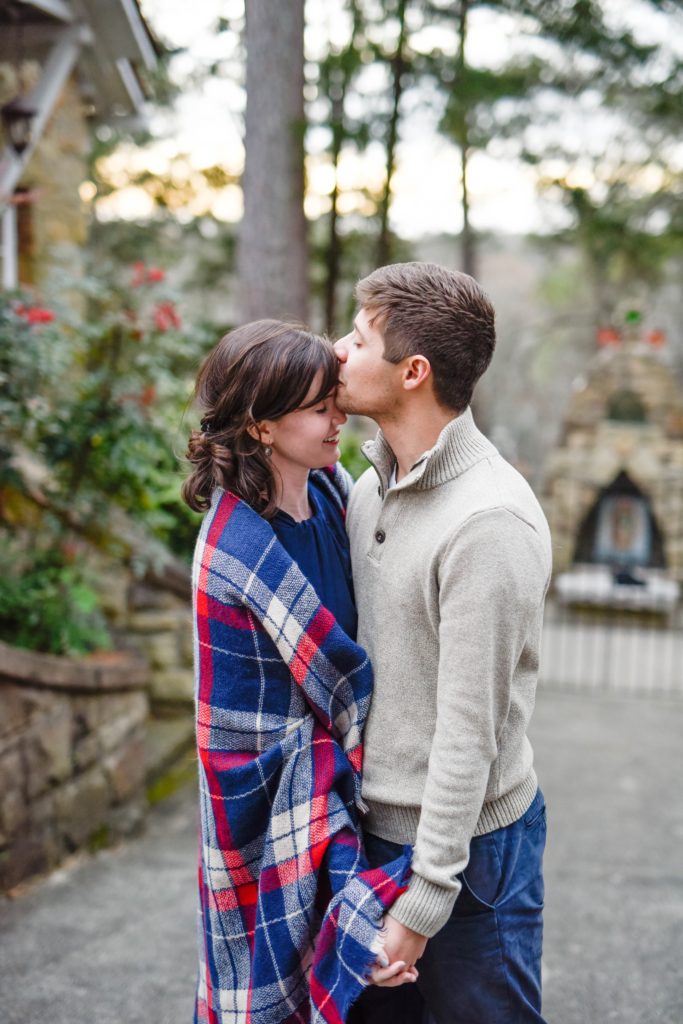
pixel 372 830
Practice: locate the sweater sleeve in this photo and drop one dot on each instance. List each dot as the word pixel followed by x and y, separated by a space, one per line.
pixel 492 580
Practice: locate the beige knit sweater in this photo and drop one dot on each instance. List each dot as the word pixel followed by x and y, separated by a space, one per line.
pixel 451 567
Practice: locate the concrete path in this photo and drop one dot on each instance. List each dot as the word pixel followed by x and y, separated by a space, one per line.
pixel 110 939
pixel 611 771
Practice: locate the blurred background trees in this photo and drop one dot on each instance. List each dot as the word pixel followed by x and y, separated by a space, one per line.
pixel 326 124
pixel 575 92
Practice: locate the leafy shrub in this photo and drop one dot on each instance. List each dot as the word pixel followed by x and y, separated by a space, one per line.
pixel 47 601
pixel 94 392
pixel 99 397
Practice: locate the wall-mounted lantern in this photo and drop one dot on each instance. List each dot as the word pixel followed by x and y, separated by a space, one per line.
pixel 17 120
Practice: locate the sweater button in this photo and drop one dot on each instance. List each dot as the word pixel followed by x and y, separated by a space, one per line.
pixel 380 536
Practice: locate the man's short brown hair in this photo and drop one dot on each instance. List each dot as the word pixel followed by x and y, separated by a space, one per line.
pixel 444 315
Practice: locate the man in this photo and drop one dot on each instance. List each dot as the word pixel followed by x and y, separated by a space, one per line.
pixel 451 563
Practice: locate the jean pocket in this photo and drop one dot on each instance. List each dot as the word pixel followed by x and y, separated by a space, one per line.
pixel 469 901
pixel 482 878
pixel 535 814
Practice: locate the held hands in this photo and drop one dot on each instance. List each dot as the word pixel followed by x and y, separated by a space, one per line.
pixel 402 948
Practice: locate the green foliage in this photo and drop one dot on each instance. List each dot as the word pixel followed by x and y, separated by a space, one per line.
pixel 352 457
pixel 31 356
pixel 92 399
pixel 623 254
pixel 47 599
pixel 576 64
pixel 98 397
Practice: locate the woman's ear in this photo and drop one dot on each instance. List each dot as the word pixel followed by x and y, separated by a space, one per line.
pixel 260 432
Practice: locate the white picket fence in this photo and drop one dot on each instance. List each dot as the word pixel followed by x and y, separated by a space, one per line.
pixel 621 652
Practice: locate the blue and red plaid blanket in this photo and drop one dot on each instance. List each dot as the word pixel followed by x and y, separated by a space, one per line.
pixel 289 909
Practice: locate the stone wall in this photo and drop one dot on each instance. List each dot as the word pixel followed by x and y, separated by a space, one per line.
pixel 152 618
pixel 72 758
pixel 54 173
pixel 158 625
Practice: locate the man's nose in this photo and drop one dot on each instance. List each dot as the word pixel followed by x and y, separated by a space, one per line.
pixel 341 348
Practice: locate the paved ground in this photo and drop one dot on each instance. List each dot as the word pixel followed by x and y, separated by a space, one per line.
pixel 110 939
pixel 611 771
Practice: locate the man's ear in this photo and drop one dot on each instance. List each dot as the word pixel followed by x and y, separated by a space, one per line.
pixel 416 370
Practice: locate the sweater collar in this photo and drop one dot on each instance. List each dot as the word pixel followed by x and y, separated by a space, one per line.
pixel 459 446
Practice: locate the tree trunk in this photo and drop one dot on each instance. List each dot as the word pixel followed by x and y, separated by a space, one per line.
pixel 273 251
pixel 338 124
pixel 333 254
pixel 398 66
pixel 467 244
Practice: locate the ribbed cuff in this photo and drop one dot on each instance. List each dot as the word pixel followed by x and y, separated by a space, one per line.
pixel 508 808
pixel 425 907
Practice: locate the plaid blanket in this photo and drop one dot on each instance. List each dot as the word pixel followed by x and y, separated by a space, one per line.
pixel 289 909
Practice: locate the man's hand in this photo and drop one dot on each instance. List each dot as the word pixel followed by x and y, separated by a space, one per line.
pixel 401 944
pixel 392 968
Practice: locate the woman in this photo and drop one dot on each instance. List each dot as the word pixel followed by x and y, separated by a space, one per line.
pixel 290 913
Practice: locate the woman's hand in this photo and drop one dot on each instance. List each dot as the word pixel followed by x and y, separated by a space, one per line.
pixel 393 975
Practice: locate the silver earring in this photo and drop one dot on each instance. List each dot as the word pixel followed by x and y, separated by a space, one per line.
pixel 268 450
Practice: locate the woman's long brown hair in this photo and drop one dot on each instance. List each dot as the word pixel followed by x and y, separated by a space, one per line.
pixel 260 371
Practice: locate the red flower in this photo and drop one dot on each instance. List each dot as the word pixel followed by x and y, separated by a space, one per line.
pixel 146 275
pixel 166 316
pixel 607 336
pixel 35 314
pixel 656 338
pixel 148 395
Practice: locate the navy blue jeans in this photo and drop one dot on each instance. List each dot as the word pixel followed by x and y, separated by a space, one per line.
pixel 484 966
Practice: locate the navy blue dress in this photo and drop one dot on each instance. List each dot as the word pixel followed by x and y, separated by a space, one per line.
pixel 320 548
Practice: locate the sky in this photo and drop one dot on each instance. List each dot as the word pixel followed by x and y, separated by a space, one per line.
pixel 206 124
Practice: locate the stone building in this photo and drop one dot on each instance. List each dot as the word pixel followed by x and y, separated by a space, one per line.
pixel 64 66
pixel 614 484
